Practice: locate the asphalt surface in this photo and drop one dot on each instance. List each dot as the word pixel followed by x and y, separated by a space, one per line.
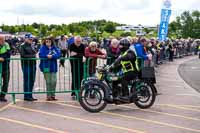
pixel 190 72
pixel 177 110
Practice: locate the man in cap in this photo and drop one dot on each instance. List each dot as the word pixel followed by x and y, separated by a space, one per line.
pixel 28 52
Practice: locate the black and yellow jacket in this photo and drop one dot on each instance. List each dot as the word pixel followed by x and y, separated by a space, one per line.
pixel 127 62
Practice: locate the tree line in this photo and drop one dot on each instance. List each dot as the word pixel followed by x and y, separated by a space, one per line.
pixel 85 28
pixel 186 25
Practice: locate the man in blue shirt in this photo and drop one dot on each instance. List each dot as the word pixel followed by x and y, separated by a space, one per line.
pixel 140 49
pixel 141 52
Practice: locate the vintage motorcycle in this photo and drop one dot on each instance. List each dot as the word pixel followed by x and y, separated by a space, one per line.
pixel 96 92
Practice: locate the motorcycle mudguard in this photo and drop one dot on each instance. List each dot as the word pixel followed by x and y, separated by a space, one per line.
pixel 96 81
pixel 152 86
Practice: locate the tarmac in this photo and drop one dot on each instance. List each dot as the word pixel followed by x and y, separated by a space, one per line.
pixel 176 110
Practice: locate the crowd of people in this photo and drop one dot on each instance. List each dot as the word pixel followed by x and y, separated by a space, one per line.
pixel 79 50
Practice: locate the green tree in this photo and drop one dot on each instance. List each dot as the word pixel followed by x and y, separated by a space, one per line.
pixel 29 28
pixel 35 25
pixel 146 30
pixel 71 28
pixel 12 30
pixel 174 29
pixel 5 28
pixel 43 30
pixel 196 25
pixel 187 24
pixel 125 34
pixel 110 27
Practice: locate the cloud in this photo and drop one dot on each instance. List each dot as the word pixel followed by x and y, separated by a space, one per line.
pixel 145 12
pixel 57 10
pixel 77 8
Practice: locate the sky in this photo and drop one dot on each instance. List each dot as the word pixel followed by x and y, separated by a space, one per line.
pixel 132 12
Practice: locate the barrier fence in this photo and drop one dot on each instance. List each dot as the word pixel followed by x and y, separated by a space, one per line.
pixel 68 79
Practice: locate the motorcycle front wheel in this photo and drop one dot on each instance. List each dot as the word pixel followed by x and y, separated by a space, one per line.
pixel 92 97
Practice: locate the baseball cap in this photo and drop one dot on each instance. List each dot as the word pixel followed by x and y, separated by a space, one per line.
pixel 29 36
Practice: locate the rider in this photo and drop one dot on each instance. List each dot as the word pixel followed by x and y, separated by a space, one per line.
pixel 126 62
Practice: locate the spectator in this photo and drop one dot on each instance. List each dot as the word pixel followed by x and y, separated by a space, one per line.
pixel 105 43
pixel 141 51
pixel 62 44
pixel 49 54
pixel 135 40
pixel 152 51
pixel 5 67
pixel 161 54
pixel 93 52
pixel 77 50
pixel 28 52
pixel 171 52
pixel 70 41
pixel 157 43
pixel 113 51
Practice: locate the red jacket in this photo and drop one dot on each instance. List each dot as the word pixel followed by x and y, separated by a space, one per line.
pixel 92 54
pixel 93 61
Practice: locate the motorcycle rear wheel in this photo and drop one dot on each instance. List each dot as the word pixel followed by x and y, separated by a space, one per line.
pixel 146 95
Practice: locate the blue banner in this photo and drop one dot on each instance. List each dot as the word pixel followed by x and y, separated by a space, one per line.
pixel 164 22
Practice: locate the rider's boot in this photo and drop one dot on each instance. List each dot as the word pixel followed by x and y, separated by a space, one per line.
pixel 124 98
pixel 125 95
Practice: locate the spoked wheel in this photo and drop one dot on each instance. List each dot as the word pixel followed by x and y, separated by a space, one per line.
pixel 92 98
pixel 146 95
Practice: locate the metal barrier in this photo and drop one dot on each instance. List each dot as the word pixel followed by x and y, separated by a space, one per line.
pixel 181 51
pixel 90 66
pixel 68 78
pixel 91 63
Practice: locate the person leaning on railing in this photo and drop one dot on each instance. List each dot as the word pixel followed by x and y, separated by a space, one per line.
pixel 5 68
pixel 62 44
pixel 77 52
pixel 113 51
pixel 93 53
pixel 141 51
pixel 28 63
pixel 49 54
